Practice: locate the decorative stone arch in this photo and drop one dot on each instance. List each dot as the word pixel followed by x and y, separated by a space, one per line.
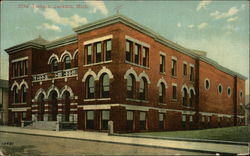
pixel 67 88
pixel 40 91
pixel 145 75
pixel 51 88
pixel 64 54
pixel 52 57
pixel 182 90
pixel 131 71
pixel 89 72
pixel 104 70
pixel 162 80
pixel 23 83
pixel 15 84
pixel 191 88
pixel 75 52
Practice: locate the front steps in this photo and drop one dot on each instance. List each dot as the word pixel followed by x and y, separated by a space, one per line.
pixel 44 125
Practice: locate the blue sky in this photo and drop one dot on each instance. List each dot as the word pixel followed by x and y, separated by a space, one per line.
pixel 219 27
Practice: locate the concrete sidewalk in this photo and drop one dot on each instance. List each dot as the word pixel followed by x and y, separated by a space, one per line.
pixel 150 142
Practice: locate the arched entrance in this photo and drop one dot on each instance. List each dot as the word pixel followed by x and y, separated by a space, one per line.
pixel 66 105
pixel 53 103
pixel 40 102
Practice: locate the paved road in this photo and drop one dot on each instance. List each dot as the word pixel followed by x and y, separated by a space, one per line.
pixel 20 144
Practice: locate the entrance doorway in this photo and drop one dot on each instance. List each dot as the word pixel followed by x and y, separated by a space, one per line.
pixel 53 102
pixel 66 105
pixel 41 107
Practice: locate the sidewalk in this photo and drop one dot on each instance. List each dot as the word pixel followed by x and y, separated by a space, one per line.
pixel 103 137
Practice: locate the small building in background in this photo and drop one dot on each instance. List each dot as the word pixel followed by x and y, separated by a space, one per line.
pixel 4 101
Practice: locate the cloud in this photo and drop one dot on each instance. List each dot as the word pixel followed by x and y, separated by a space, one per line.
pixel 232 19
pixel 178 24
pixel 190 26
pixel 218 15
pixel 203 4
pixel 49 27
pixel 52 15
pixel 98 6
pixel 202 25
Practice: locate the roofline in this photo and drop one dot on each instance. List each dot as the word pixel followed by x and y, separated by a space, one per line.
pixel 24 46
pixel 133 24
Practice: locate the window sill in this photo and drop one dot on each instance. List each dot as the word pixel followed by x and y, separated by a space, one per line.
pixel 136 100
pixel 175 77
pixel 187 107
pixel 175 100
pixel 138 65
pixel 86 100
pixel 23 103
pixel 93 64
pixel 17 77
pixel 162 104
pixel 104 99
pixel 162 73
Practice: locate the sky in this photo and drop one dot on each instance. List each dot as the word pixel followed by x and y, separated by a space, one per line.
pixel 221 28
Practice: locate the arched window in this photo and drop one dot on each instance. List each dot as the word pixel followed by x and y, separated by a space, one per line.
pixel 67 62
pixel 90 90
pixel 143 85
pixel 23 94
pixel 54 64
pixel 130 86
pixel 185 96
pixel 162 93
pixel 105 86
pixel 191 101
pixel 15 96
pixel 76 60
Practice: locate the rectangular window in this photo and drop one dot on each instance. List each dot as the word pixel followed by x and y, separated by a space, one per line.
pixel 16 69
pixel 174 94
pixel 145 57
pixel 90 119
pixel 173 70
pixel 13 70
pixel 98 48
pixel 142 120
pixel 128 51
pixel 190 122
pixel 184 69
pixel 183 123
pixel 161 121
pixel 24 116
pixel 130 120
pixel 191 73
pixel 208 121
pixel 21 68
pixel 89 54
pixel 108 50
pixel 162 64
pixel 25 67
pixel 105 119
pixel 137 53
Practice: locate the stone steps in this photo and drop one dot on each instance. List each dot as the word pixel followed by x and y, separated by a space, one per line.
pixel 43 125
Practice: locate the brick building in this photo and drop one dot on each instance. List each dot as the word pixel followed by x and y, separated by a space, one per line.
pixel 116 69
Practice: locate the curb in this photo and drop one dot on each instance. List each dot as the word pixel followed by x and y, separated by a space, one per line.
pixel 183 139
pixel 133 144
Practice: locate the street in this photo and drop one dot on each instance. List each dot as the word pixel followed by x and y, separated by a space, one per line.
pixel 21 144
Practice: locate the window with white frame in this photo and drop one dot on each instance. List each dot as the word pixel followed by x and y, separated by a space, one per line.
pixel 162 64
pixel 220 89
pixel 228 91
pixel 207 84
